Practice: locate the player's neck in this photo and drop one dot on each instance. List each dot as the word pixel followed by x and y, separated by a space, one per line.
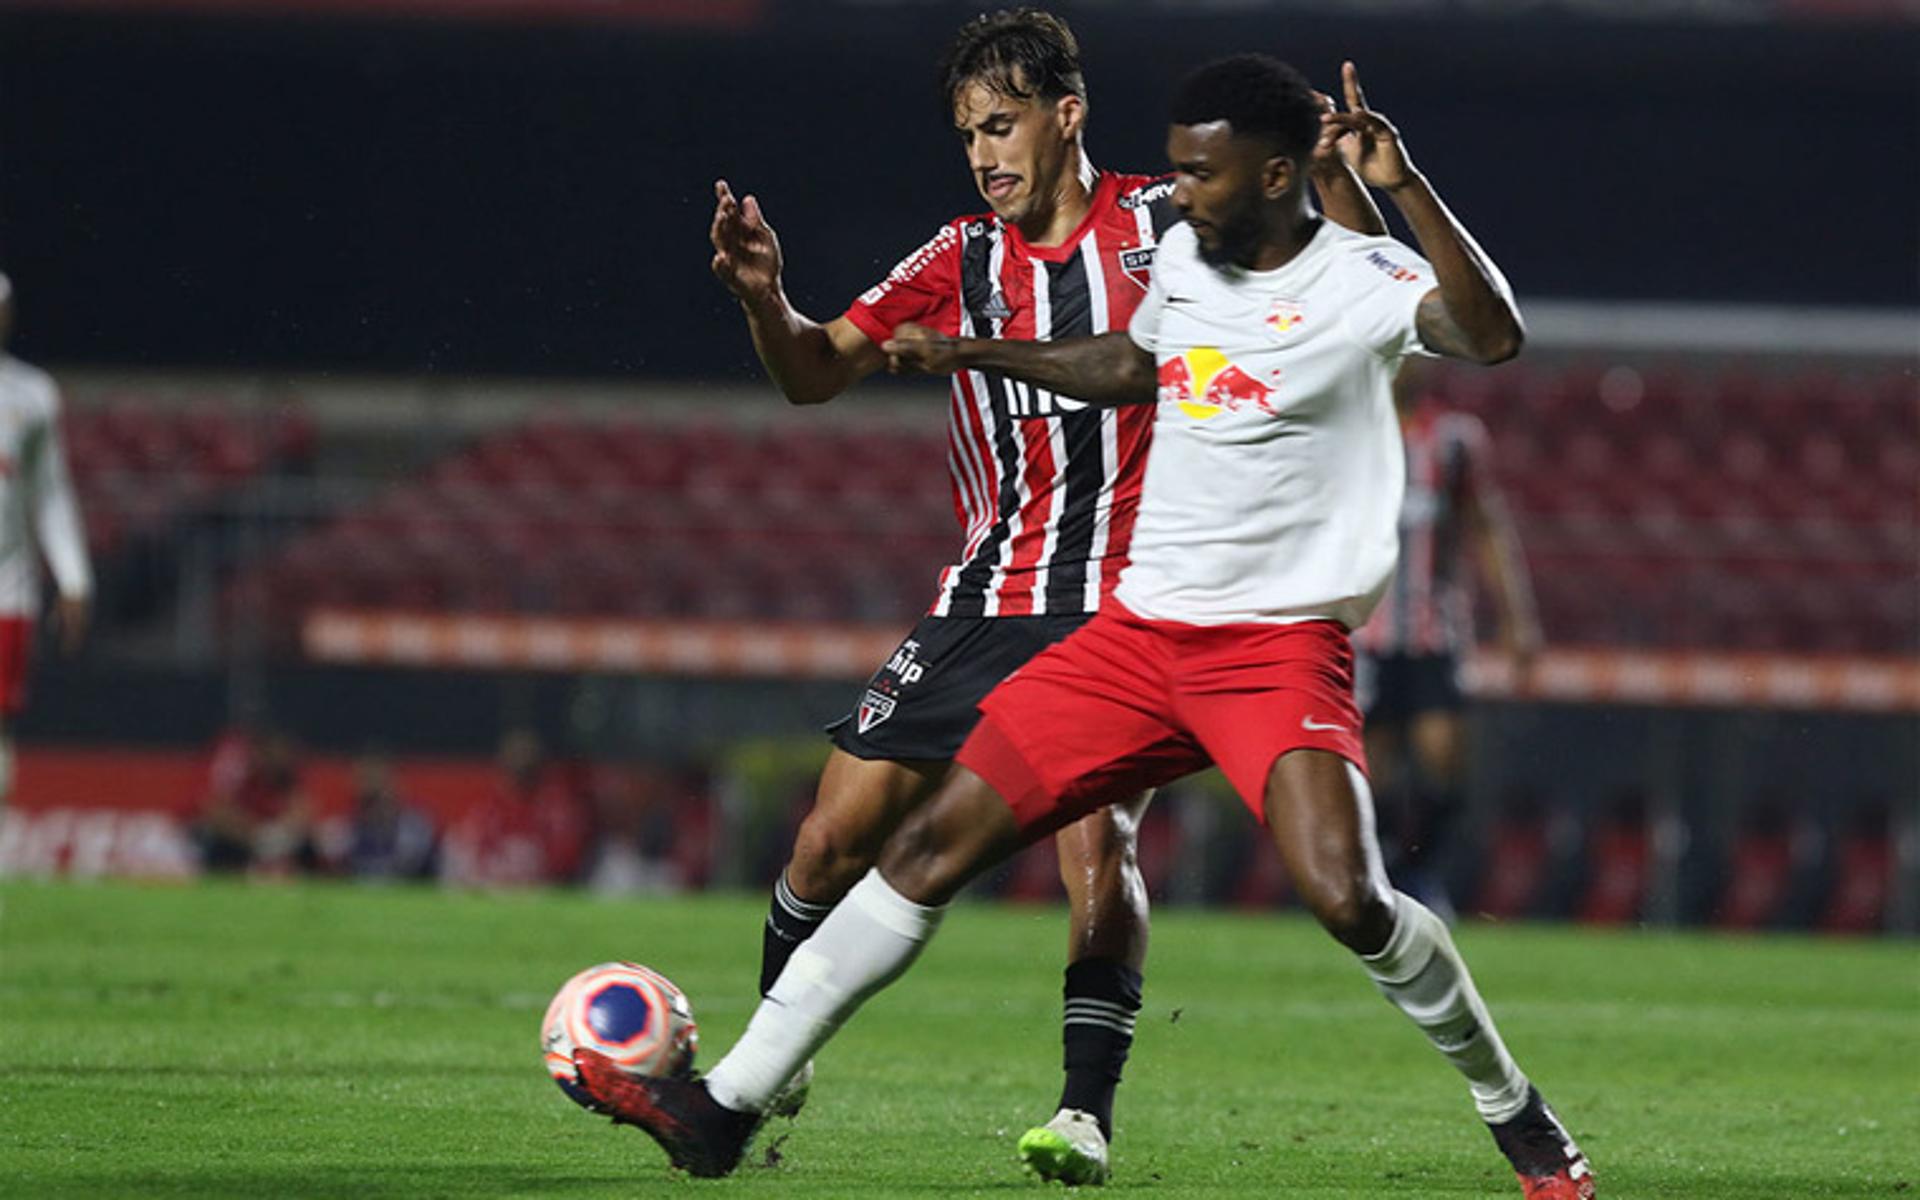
pixel 1072 199
pixel 1285 238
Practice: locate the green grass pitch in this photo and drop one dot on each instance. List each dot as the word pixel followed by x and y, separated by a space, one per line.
pixel 332 1041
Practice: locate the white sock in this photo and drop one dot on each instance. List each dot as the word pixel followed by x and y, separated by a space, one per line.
pixel 1425 978
pixel 867 942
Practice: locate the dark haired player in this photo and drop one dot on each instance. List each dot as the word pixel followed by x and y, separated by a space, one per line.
pixel 1046 487
pixel 1265 533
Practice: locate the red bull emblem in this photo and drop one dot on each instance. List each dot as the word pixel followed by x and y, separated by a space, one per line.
pixel 1286 316
pixel 1204 384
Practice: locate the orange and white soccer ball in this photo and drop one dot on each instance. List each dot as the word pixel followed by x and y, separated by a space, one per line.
pixel 632 1014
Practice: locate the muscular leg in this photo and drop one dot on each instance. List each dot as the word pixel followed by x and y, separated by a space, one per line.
pixel 858 804
pixel 1322 821
pixel 870 939
pixel 1107 902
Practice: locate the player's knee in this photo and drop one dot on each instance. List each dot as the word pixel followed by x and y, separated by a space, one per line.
pixel 1355 909
pixel 829 857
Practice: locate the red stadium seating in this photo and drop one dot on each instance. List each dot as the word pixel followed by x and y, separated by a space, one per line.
pixel 1674 508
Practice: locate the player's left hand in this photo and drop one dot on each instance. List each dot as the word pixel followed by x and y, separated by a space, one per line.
pixel 917 350
pixel 71 615
pixel 1369 141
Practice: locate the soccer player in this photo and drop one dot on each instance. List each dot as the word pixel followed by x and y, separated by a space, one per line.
pixel 1407 657
pixel 1046 488
pixel 36 506
pixel 1266 532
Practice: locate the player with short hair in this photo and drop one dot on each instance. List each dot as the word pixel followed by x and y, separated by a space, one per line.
pixel 37 507
pixel 1266 532
pixel 1046 488
pixel 1407 658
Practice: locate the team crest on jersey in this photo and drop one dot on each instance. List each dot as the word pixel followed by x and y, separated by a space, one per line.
pixel 1205 383
pixel 875 707
pixel 1286 316
pixel 1138 263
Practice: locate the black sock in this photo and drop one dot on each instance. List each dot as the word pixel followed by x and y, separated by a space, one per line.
pixel 1102 999
pixel 790 921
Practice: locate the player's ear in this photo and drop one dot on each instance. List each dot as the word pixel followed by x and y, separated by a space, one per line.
pixel 1277 176
pixel 1071 112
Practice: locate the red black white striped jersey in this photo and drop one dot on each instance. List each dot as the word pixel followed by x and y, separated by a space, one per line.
pixel 1428 608
pixel 1045 486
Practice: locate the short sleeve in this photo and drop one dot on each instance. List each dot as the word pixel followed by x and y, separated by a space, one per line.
pixel 1387 282
pixel 924 289
pixel 1144 328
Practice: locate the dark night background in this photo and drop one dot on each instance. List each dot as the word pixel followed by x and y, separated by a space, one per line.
pixel 533 198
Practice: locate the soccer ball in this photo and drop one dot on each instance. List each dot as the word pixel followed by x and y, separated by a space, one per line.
pixel 630 1013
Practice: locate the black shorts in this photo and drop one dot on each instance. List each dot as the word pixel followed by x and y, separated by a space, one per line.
pixel 1395 687
pixel 922 704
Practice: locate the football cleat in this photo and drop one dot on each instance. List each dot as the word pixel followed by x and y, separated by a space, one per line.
pixel 700 1135
pixel 789 1100
pixel 1070 1148
pixel 1543 1155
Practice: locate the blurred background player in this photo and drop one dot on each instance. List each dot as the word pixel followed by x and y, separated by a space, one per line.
pixel 37 507
pixel 1408 658
pixel 1046 488
pixel 1266 534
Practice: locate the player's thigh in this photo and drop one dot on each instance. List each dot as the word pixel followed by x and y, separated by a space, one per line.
pixel 942 845
pixel 1320 815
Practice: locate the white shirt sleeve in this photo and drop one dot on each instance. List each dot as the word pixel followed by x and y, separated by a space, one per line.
pixel 1387 282
pixel 56 514
pixel 1144 329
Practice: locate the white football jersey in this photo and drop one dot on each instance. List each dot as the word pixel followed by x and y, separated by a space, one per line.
pixel 36 495
pixel 1273 488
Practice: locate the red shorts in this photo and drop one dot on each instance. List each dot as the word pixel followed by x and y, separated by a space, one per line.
pixel 1126 704
pixel 16 647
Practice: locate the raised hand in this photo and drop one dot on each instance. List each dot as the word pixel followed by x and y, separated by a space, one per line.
pixel 1368 140
pixel 917 350
pixel 746 253
pixel 1336 147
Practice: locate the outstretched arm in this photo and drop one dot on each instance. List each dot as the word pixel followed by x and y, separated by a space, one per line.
pixel 1107 370
pixel 809 361
pixel 1471 314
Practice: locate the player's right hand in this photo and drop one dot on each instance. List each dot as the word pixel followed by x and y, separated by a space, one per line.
pixel 746 253
pixel 917 350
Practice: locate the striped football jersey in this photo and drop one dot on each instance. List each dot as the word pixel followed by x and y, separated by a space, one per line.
pixel 1045 486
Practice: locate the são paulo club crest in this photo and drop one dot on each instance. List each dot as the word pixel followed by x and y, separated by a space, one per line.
pixel 875 707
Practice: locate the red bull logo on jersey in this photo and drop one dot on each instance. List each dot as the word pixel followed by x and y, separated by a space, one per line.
pixel 1204 383
pixel 1286 316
